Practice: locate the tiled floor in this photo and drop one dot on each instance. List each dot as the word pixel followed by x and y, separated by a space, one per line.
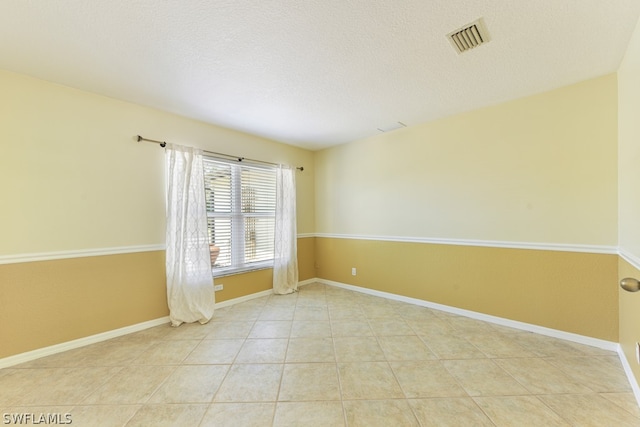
pixel 327 357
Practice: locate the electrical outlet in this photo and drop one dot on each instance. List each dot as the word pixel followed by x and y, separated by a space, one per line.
pixel 353 271
pixel 638 352
pixel 217 288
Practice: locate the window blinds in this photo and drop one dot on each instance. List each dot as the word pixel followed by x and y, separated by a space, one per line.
pixel 241 213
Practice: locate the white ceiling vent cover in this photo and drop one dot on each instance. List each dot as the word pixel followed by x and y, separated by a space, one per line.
pixel 470 36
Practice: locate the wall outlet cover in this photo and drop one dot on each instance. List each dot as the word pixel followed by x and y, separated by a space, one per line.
pixel 218 287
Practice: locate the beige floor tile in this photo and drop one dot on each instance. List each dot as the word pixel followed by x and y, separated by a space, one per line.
pixel 368 380
pixel 220 314
pixel 382 413
pixel 384 327
pixel 315 287
pixel 116 352
pixel 103 415
pixel 168 415
pixel 626 401
pixel 282 300
pixel 262 351
pixel 156 333
pixel 426 378
pixel 256 302
pixel 519 411
pixel 250 383
pixel 589 350
pixel 215 352
pixel 344 313
pixel 191 384
pixel 470 327
pixel 271 329
pixel 132 385
pixel 237 313
pixel 541 346
pixel 414 312
pixel 277 313
pixel 448 346
pixel 309 414
pixel 166 352
pixel 351 328
pixel 353 349
pixel 188 331
pixel 540 377
pixel 16 383
pixel 482 377
pixel 311 313
pixel 497 346
pixel 449 412
pixel 312 381
pixel 67 386
pixel 314 301
pixel 590 410
pixel 310 350
pixel 429 326
pixel 239 414
pixel 229 330
pixel 601 374
pixel 379 310
pixel 310 329
pixel 405 348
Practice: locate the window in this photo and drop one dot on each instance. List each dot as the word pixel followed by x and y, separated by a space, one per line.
pixel 241 202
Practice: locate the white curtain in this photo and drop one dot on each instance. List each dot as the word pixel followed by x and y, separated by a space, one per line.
pixel 189 279
pixel 285 259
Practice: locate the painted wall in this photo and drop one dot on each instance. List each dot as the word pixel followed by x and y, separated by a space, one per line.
pixel 629 190
pixel 538 171
pixel 73 179
pixel 553 289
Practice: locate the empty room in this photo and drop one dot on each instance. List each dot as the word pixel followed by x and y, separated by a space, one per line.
pixel 320 213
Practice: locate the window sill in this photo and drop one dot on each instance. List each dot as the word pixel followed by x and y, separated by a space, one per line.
pixel 217 273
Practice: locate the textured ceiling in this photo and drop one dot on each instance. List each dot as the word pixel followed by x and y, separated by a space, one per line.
pixel 313 73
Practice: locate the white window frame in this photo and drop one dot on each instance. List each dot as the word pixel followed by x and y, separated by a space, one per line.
pixel 238 264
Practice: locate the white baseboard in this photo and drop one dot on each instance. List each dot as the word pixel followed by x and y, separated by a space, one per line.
pixel 627 370
pixel 568 336
pixel 80 342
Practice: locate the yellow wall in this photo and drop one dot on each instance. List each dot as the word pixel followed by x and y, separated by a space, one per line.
pixel 629 188
pixel 51 302
pixel 73 179
pixel 560 290
pixel 537 169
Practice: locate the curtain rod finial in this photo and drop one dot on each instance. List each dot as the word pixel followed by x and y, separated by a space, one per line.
pixel 301 168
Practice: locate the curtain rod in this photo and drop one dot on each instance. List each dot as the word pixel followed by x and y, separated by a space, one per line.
pixel 164 143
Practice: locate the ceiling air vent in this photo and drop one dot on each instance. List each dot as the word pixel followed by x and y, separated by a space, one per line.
pixel 469 36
